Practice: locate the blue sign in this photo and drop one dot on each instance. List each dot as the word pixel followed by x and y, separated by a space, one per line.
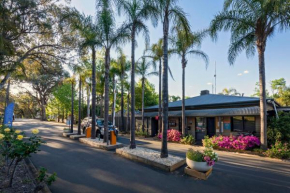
pixel 227 126
pixel 8 115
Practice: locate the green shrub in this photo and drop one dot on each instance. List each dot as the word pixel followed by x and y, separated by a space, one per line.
pixel 279 129
pixel 189 140
pixel 140 133
pixel 194 155
pixel 207 142
pixel 279 150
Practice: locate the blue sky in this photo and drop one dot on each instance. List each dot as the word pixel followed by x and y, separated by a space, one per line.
pixel 200 13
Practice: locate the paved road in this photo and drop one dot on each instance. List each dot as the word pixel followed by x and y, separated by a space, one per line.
pixel 82 169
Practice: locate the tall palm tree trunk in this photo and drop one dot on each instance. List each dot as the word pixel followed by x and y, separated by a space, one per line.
pixel 184 133
pixel 160 108
pixel 128 114
pixel 143 85
pixel 106 113
pixel 164 150
pixel 132 136
pixel 263 106
pixel 80 106
pixel 93 130
pixel 122 102
pixel 72 108
pixel 88 101
pixel 114 100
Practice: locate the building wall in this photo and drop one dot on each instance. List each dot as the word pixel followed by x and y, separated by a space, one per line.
pixel 190 122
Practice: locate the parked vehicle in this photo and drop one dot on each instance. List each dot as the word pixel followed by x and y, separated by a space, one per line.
pixel 87 122
pixel 100 128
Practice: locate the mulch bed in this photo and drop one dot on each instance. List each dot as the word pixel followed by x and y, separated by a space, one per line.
pixel 22 182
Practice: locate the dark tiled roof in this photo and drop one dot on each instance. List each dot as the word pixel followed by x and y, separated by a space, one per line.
pixel 210 99
pixel 210 112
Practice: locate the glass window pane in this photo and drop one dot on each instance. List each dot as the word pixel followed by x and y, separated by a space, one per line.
pixel 238 123
pixel 249 123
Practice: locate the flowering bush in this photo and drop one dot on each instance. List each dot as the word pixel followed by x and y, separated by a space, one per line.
pixel 232 142
pixel 189 140
pixel 172 135
pixel 208 156
pixel 14 148
pixel 279 150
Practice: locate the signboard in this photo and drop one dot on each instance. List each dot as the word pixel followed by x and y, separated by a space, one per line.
pixel 8 115
pixel 227 126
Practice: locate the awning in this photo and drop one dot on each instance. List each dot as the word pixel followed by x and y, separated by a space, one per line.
pixel 210 112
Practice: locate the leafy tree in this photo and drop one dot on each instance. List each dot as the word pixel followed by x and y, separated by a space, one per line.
pixel 278 129
pixel 43 78
pixel 31 30
pixel 257 91
pixel 251 23
pixel 281 93
pixel 184 44
pixel 136 13
pixel 25 106
pixel 169 11
pixel 144 69
pixel 150 96
pixel 173 98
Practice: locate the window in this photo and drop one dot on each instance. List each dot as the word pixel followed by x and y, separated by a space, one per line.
pixel 200 124
pixel 243 124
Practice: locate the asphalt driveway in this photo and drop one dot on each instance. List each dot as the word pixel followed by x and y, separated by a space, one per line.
pixel 81 168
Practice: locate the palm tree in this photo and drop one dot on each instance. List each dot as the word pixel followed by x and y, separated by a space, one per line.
pixel 110 37
pixel 230 91
pixel 136 13
pixel 89 34
pixel 143 68
pixel 121 68
pixel 71 80
pixel 156 53
pixel 183 45
pixel 251 23
pixel 169 10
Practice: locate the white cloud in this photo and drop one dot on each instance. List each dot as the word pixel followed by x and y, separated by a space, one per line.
pixel 209 83
pixel 246 72
pixel 240 74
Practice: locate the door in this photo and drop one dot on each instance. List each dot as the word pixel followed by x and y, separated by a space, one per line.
pixel 210 126
pixel 154 127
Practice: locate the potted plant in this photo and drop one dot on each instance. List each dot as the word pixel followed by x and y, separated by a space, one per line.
pixel 201 161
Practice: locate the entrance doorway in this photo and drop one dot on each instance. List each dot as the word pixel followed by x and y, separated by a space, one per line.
pixel 210 126
pixel 154 127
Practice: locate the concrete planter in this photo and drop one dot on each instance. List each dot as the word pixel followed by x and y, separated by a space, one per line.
pixel 199 166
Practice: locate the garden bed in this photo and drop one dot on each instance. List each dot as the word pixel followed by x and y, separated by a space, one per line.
pixel 98 143
pixel 22 182
pixel 76 137
pixel 152 158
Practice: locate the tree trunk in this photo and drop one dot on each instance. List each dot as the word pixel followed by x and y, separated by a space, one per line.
pixel 43 112
pixel 72 108
pixel 58 114
pixel 132 136
pixel 106 113
pixel 164 150
pixel 128 114
pixel 122 100
pixel 80 106
pixel 88 101
pixel 263 106
pixel 62 120
pixel 7 93
pixel 93 131
pixel 114 100
pixel 160 108
pixel 143 82
pixel 184 130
